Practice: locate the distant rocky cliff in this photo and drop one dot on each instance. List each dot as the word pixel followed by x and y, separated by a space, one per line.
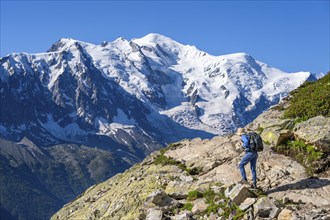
pixel 197 179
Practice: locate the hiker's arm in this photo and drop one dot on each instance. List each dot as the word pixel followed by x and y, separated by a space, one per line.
pixel 245 141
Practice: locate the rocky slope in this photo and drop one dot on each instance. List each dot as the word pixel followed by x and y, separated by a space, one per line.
pixel 196 179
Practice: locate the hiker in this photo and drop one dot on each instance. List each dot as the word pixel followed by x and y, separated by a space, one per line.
pixel 250 156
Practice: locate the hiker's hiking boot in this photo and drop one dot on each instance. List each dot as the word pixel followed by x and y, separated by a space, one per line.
pixel 243 182
pixel 254 186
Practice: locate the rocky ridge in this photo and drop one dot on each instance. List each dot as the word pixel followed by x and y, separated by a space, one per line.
pixel 197 179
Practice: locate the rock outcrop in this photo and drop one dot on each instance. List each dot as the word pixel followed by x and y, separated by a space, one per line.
pixel 315 131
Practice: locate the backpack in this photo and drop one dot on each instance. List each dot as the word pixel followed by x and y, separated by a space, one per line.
pixel 255 142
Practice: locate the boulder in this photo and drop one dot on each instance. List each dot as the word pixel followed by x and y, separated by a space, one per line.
pixel 212 216
pixel 284 124
pixel 178 195
pixel 186 178
pixel 199 206
pixel 154 214
pixel 272 117
pixel 265 208
pixel 285 214
pixel 228 189
pixel 216 189
pixel 183 216
pixel 247 203
pixel 220 211
pixel 178 189
pixel 157 197
pixel 239 194
pixel 162 200
pixel 315 131
pixel 275 135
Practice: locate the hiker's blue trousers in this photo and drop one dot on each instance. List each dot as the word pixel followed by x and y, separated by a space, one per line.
pixel 252 158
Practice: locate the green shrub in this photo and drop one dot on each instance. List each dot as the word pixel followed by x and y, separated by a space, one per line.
pixel 232 209
pixel 212 208
pixel 192 195
pixel 211 199
pixel 170 146
pixel 182 166
pixel 309 100
pixel 238 213
pixel 174 145
pixel 163 160
pixel 193 171
pixel 187 206
pixel 303 153
pixel 209 195
pixel 163 150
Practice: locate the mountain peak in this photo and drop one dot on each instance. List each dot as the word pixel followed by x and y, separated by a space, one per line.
pixel 159 39
pixel 62 44
pixel 241 56
pixel 154 37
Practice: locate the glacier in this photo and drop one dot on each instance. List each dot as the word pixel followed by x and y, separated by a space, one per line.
pixel 152 87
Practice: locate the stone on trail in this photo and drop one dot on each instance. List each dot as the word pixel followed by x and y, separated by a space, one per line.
pixel 239 193
pixel 264 208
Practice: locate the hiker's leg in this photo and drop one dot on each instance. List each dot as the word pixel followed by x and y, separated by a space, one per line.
pixel 245 159
pixel 253 164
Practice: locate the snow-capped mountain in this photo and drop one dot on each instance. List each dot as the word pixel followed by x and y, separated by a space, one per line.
pixel 152 88
pixel 81 113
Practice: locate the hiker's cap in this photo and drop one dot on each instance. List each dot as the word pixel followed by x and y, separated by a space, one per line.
pixel 240 131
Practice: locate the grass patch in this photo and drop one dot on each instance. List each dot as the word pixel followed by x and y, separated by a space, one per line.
pixel 163 160
pixel 238 213
pixel 209 196
pixel 187 206
pixel 234 210
pixel 212 208
pixel 174 145
pixel 310 100
pixel 163 150
pixel 171 146
pixel 229 208
pixel 193 195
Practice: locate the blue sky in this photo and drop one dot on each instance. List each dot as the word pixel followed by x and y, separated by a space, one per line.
pixel 290 35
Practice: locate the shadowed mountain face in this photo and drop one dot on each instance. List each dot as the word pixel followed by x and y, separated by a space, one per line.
pixel 36 182
pixel 117 102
